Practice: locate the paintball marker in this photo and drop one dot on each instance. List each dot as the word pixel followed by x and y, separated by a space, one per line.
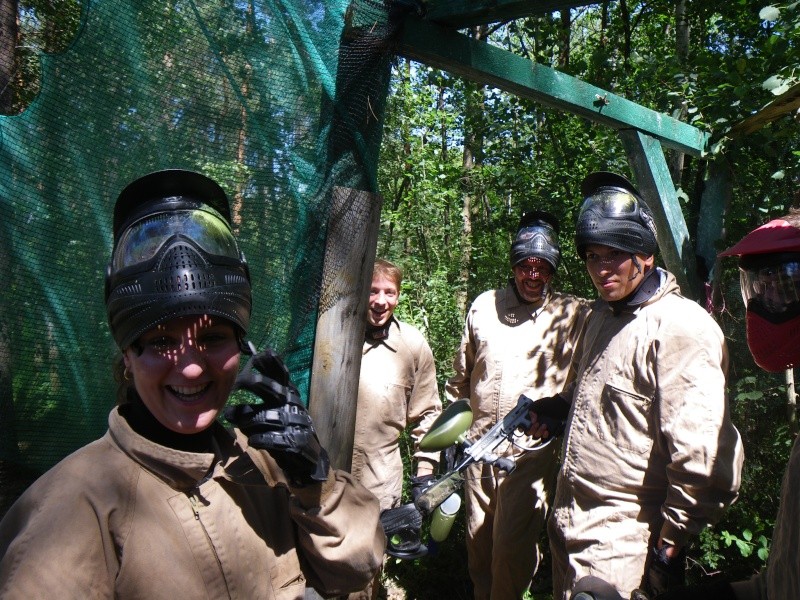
pixel 480 451
pixel 447 433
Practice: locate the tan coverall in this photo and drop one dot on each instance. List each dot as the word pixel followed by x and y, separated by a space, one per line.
pixel 650 450
pixel 397 388
pixel 126 518
pixel 781 577
pixel 508 350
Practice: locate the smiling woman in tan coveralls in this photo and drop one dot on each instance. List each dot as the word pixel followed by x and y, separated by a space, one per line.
pixel 169 503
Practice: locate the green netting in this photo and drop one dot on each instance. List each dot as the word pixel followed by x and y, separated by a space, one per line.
pixel 279 101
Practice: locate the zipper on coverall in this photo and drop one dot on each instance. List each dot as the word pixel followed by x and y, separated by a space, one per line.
pixel 195 504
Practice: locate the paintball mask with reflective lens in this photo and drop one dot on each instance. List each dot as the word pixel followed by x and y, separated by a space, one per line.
pixel 537 237
pixel 769 274
pixel 174 255
pixel 771 292
pixel 613 214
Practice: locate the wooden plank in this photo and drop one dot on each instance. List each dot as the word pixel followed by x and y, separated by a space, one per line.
pixel 466 13
pixel 650 169
pixel 347 274
pixel 787 102
pixel 478 61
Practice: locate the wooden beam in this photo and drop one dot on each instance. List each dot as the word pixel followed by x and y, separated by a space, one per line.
pixel 650 169
pixel 486 64
pixel 466 13
pixel 347 274
pixel 787 102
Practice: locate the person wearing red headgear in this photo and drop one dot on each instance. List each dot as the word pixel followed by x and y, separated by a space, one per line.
pixel 769 269
pixel 517 340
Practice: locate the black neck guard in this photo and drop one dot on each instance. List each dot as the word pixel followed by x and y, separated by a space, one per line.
pixel 145 424
pixel 650 284
pixel 372 333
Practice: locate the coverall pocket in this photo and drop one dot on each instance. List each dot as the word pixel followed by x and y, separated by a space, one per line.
pixel 287 579
pixel 627 419
pixel 394 405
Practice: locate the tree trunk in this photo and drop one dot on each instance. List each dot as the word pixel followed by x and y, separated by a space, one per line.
pixel 682 31
pixel 564 29
pixel 10 484
pixel 625 15
pixel 9 31
pixel 472 147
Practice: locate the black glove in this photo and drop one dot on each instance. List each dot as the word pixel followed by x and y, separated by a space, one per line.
pixel 664 573
pixel 281 425
pixel 402 528
pixel 551 411
pixel 713 590
pixel 419 485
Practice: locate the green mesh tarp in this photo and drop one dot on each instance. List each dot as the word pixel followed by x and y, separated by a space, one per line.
pixel 279 101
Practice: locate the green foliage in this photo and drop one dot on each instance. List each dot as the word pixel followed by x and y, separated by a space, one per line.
pixel 459 163
pixel 439 211
pixel 746 545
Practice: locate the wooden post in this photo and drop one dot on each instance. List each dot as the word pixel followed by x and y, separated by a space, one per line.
pixel 646 157
pixel 347 274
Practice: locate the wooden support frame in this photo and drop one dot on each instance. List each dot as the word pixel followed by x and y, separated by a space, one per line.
pixel 644 132
pixel 655 184
pixel 479 61
pixel 347 274
pixel 465 13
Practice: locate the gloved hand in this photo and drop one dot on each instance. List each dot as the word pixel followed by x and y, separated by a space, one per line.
pixel 664 573
pixel 713 590
pixel 402 527
pixel 551 411
pixel 281 425
pixel 419 484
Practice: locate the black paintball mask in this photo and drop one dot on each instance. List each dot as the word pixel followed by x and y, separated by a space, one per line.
pixel 174 255
pixel 613 214
pixel 537 237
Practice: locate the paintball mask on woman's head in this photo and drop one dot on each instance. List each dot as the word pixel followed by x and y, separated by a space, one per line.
pixel 613 214
pixel 769 270
pixel 174 255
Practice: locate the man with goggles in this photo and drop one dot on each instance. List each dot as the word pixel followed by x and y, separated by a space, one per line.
pixel 517 340
pixel 768 263
pixel 650 455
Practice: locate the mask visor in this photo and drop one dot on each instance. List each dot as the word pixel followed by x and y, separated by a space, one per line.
pixel 611 203
pixel 774 288
pixel 141 241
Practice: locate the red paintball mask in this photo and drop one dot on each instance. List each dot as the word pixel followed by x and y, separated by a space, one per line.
pixel 769 270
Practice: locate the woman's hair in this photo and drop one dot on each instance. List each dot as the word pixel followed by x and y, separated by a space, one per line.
pixel 383 268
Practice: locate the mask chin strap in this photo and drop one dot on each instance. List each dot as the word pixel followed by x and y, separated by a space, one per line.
pixel 638 266
pixel 650 284
pixel 245 346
